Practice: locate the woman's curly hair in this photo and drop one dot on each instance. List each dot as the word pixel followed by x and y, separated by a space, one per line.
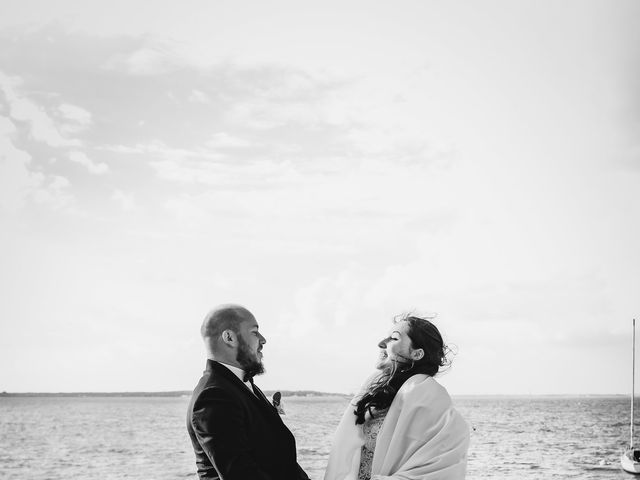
pixel 381 392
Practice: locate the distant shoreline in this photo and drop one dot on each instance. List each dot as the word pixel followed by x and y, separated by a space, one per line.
pixel 177 393
pixel 301 393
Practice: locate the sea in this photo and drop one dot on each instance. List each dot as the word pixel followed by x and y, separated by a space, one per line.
pixel 91 437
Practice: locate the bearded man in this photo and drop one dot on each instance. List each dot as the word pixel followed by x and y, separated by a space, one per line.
pixel 236 432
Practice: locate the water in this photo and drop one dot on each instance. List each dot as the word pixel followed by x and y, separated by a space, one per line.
pixel 144 437
pixel 546 438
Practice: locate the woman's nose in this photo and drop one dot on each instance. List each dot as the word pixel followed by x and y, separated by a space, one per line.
pixel 383 343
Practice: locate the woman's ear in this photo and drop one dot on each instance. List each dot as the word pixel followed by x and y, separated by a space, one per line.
pixel 417 354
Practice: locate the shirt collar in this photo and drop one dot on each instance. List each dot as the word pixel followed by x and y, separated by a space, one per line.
pixel 238 372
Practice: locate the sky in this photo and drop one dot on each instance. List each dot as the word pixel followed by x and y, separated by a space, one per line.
pixel 330 166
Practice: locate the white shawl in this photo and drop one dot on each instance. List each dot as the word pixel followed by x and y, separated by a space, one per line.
pixel 422 437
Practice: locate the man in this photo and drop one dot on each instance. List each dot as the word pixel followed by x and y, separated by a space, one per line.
pixel 235 431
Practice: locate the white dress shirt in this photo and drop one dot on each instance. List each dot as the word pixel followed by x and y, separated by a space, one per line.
pixel 238 372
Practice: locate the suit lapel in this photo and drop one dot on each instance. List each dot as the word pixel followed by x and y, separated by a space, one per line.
pixel 258 397
pixel 264 402
pixel 259 393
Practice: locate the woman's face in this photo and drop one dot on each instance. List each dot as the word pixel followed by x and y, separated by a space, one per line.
pixel 396 347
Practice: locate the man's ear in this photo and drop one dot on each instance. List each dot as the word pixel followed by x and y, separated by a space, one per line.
pixel 229 337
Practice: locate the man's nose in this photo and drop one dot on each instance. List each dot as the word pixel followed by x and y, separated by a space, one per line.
pixel 262 339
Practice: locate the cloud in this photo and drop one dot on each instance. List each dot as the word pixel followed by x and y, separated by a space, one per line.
pixel 93 167
pixel 17 181
pixel 55 194
pixel 331 190
pixel 267 115
pixel 159 149
pixel 22 109
pixel 329 302
pixel 256 111
pixel 262 174
pixel 76 119
pixel 207 165
pixel 198 96
pixel 187 212
pixel 125 200
pixel 224 140
pixel 154 59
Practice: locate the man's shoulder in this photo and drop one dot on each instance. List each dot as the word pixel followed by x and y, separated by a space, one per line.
pixel 215 390
pixel 215 376
pixel 219 377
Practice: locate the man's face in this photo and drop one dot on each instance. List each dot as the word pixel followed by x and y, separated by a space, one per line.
pixel 250 343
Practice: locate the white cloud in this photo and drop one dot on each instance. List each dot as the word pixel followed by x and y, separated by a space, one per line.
pixel 328 303
pixel 265 114
pixel 158 148
pixel 17 181
pixel 267 188
pixel 42 126
pixel 9 84
pixel 55 194
pixel 59 182
pixel 125 200
pixel 75 113
pixel 187 212
pixel 93 167
pixel 75 119
pixel 224 140
pixel 198 96
pixel 263 173
pixel 145 61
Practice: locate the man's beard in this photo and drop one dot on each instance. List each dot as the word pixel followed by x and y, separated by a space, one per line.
pixel 247 360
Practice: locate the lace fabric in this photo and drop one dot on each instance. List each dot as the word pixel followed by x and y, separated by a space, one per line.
pixel 371 428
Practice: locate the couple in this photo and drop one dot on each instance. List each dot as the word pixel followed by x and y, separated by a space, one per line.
pixel 402 426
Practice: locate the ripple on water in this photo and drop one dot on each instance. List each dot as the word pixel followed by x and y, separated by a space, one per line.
pixel 142 438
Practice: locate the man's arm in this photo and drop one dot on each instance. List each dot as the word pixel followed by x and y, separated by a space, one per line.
pixel 221 430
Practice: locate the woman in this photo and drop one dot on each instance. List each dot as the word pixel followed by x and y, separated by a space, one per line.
pixel 403 425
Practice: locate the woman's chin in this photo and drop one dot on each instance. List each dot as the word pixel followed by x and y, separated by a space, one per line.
pixel 382 364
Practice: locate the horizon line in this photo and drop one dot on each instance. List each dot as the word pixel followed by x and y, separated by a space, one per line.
pixel 169 393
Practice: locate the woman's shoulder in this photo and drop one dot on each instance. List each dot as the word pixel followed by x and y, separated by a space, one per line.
pixel 423 389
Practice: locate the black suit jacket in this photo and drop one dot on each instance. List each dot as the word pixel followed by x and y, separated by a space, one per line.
pixel 235 434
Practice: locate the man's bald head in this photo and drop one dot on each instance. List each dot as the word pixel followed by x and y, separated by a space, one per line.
pixel 224 317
